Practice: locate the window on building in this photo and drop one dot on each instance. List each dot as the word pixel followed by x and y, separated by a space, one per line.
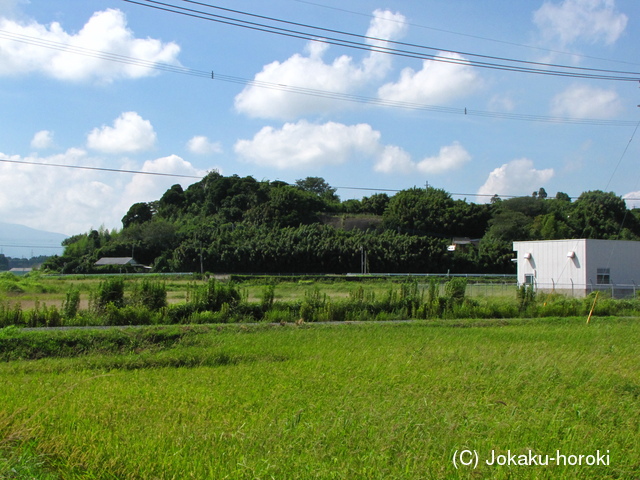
pixel 528 278
pixel 603 276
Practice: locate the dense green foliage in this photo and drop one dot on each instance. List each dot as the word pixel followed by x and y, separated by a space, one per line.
pixel 240 225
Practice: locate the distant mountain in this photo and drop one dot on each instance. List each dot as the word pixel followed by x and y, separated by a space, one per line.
pixel 18 241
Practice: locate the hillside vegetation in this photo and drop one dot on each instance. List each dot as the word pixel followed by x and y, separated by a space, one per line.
pixel 241 225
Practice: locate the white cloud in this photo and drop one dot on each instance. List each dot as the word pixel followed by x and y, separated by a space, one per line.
pixel 42 140
pixel 130 133
pixel 310 71
pixel 450 157
pixel 201 145
pixel 72 201
pixel 395 160
pixel 581 101
pixel 305 145
pixel 8 7
pixel 106 31
pixel 570 21
pixel 145 188
pixel 518 177
pixel 632 199
pixel 437 82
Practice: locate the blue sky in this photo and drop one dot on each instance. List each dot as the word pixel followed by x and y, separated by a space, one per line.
pixel 65 101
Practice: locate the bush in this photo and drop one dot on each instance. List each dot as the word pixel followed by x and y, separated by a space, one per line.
pixel 151 295
pixel 43 316
pixel 213 295
pixel 71 304
pixel 110 291
pixel 11 315
pixel 129 315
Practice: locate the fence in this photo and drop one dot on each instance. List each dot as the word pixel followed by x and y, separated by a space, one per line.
pixel 615 290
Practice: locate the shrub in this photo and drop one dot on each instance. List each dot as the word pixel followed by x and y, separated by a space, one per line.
pixel 11 315
pixel 455 289
pixel 110 291
pixel 268 294
pixel 129 315
pixel 43 316
pixel 213 295
pixel 71 304
pixel 151 295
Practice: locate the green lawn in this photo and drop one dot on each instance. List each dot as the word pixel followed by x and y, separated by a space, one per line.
pixel 349 401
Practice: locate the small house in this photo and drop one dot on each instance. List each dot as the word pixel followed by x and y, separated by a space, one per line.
pixel 579 266
pixel 120 262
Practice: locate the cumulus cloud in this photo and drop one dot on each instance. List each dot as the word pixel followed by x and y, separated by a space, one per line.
pixel 518 177
pixel 437 82
pixel 569 21
pixel 201 145
pixel 305 145
pixel 310 71
pixel 130 133
pixel 582 101
pixel 42 140
pixel 145 188
pixel 632 199
pixel 73 201
pixel 106 31
pixel 395 160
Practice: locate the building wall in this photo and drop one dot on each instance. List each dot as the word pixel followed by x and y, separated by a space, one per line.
pixel 622 258
pixel 550 264
pixel 579 266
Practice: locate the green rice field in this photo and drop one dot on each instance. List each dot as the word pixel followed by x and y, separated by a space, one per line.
pixel 378 400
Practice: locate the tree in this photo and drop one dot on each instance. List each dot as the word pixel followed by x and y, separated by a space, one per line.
pixel 376 203
pixel 320 187
pixel 420 211
pixel 4 262
pixel 601 215
pixel 139 213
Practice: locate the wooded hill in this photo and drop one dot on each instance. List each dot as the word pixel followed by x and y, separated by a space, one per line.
pixel 241 225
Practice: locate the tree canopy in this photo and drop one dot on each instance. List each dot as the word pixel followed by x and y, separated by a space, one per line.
pixel 239 224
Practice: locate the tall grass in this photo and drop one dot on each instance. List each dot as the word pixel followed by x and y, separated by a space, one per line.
pixel 114 301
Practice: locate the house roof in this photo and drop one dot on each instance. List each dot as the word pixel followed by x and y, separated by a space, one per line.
pixel 116 261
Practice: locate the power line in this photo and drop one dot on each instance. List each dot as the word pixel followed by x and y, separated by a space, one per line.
pixel 29 246
pixel 80 167
pixel 551 69
pixel 478 37
pixel 371 189
pixel 178 69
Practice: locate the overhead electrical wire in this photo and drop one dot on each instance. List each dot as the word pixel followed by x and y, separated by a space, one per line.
pixel 478 37
pixel 512 65
pixel 80 167
pixel 199 177
pixel 178 69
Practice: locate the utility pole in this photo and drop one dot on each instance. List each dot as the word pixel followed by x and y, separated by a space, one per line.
pixel 363 260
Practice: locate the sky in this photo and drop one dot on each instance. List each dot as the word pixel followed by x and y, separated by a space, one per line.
pixel 372 96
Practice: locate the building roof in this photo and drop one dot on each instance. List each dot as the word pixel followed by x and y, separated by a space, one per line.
pixel 116 261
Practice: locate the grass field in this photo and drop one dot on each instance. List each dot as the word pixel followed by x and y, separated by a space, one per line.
pixel 348 401
pixel 51 290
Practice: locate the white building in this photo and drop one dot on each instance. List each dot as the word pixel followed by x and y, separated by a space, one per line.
pixel 580 266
